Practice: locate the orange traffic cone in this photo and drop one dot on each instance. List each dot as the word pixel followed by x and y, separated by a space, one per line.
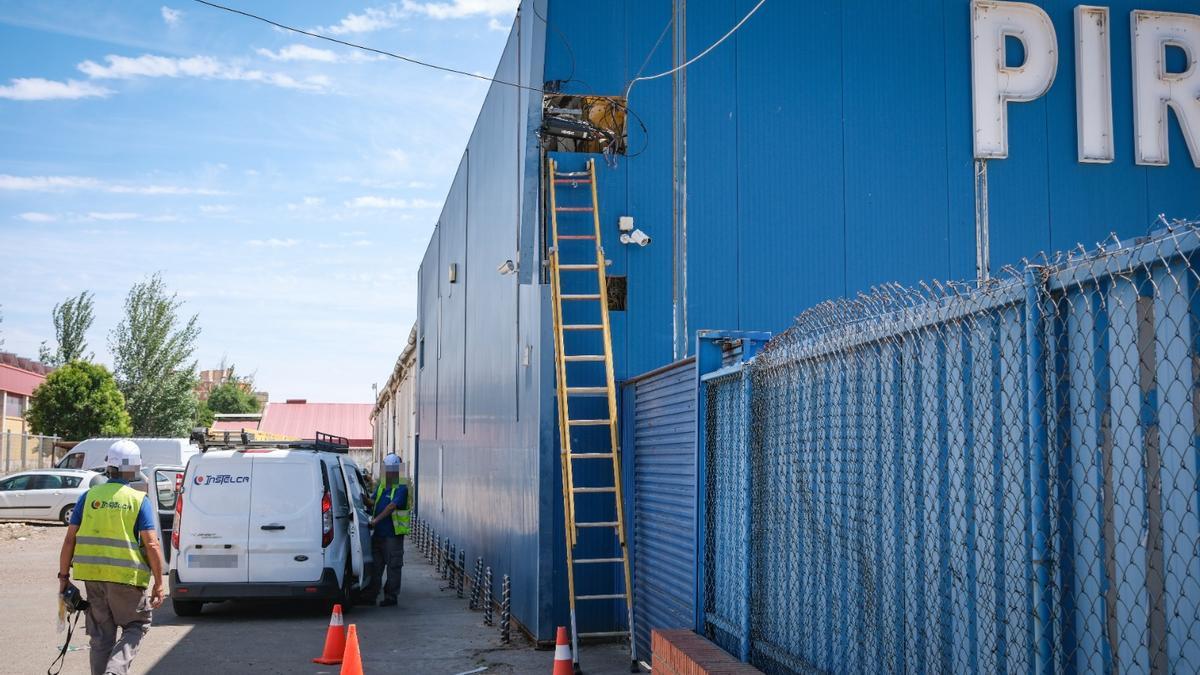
pixel 335 640
pixel 352 660
pixel 562 654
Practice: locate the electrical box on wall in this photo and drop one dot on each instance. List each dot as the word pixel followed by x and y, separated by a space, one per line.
pixel 452 273
pixel 625 223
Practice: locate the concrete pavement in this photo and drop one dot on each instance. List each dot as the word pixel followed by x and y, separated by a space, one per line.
pixel 431 631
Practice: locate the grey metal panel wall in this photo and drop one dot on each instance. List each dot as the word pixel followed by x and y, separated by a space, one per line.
pixel 664 501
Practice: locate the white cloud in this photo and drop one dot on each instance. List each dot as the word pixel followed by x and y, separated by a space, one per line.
pixel 65 183
pixel 461 9
pixel 112 215
pixel 274 243
pixel 378 18
pixel 373 202
pixel 171 16
pixel 298 52
pixel 496 25
pixel 215 208
pixel 204 67
pixel 371 19
pixel 37 217
pixel 306 203
pixel 38 89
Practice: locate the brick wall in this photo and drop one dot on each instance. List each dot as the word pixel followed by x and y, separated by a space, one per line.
pixel 682 652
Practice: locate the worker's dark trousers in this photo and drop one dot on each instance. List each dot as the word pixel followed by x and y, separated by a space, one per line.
pixel 113 606
pixel 387 553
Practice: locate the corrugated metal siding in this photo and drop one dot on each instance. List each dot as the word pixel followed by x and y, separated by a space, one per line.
pixel 664 501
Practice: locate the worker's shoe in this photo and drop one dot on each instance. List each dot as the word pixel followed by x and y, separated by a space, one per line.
pixel 388 602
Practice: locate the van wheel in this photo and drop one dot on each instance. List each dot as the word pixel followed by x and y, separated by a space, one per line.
pixel 65 514
pixel 186 607
pixel 346 594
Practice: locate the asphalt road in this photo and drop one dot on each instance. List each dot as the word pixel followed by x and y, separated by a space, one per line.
pixel 430 632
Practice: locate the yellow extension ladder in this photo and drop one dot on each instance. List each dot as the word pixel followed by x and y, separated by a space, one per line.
pixel 586 259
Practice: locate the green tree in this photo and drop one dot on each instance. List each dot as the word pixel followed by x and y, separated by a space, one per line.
pixel 73 318
pixel 204 415
pixel 232 397
pixel 152 354
pixel 77 401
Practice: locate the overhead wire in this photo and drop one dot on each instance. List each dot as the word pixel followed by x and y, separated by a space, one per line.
pixel 382 52
pixel 697 57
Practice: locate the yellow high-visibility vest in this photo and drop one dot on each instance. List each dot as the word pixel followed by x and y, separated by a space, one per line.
pixel 400 520
pixel 106 548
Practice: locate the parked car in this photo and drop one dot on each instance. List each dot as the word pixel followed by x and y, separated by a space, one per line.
pixel 278 522
pixel 44 494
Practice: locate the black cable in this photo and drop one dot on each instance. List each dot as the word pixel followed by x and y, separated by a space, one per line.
pixel 393 55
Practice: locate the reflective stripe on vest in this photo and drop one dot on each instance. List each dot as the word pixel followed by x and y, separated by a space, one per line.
pixel 106 548
pixel 400 520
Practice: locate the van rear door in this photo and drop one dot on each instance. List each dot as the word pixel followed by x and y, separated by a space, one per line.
pixel 167 483
pixel 213 541
pixel 285 517
pixel 358 533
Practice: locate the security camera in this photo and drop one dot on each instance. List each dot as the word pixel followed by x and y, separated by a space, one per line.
pixel 507 267
pixel 636 237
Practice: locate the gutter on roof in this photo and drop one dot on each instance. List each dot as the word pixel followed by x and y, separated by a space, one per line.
pixel 398 373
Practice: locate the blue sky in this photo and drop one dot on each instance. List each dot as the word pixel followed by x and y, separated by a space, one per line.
pixel 284 186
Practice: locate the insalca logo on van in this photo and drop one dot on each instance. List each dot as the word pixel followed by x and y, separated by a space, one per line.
pixel 220 479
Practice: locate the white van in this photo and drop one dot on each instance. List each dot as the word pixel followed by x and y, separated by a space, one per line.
pixel 283 522
pixel 156 452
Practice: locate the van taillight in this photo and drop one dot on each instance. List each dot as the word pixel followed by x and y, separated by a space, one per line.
pixel 178 520
pixel 326 520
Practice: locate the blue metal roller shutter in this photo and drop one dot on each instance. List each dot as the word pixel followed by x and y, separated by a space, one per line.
pixel 664 501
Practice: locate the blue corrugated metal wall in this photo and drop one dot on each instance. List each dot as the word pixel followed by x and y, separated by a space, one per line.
pixel 661 410
pixel 826 148
pixel 483 381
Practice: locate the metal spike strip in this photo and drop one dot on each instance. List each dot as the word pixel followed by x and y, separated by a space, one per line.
pixel 476 580
pixel 487 596
pixel 505 610
pixel 462 573
pixel 448 565
pixel 437 556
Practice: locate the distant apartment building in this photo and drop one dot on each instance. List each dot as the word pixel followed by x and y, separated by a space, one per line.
pixel 211 379
pixel 18 378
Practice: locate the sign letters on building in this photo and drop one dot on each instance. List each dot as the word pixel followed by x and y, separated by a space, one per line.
pixel 1156 90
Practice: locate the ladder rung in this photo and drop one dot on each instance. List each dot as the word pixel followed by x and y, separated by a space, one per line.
pixel 599 634
pixel 612 524
pixel 597 561
pixel 591 455
pixel 572 181
pixel 572 174
pixel 577 268
pixel 580 296
pixel 592 490
pixel 574 209
pixel 604 596
pixel 587 391
pixel 576 237
pixel 589 423
pixel 583 326
pixel 572 358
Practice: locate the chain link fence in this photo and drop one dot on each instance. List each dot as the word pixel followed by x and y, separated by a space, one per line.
pixel 968 479
pixel 19 452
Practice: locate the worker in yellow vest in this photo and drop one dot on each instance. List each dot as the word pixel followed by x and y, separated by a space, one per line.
pixel 112 546
pixel 388 527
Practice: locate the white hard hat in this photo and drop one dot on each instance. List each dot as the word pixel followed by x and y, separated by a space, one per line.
pixel 123 455
pixel 391 463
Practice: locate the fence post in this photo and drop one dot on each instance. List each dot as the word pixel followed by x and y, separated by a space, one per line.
pixel 7 445
pixel 24 451
pixel 1039 469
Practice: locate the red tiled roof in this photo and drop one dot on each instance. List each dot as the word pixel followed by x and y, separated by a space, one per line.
pixel 16 380
pixel 303 420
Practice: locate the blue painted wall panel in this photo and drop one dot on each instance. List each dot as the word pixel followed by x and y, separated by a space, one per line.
pixel 828 148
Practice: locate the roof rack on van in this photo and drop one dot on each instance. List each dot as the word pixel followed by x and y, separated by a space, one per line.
pixel 322 442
